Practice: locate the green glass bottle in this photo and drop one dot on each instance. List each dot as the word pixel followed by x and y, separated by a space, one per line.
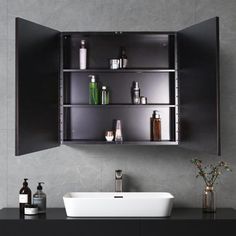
pixel 93 91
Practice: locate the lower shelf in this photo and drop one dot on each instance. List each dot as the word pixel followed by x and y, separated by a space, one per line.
pixel 164 142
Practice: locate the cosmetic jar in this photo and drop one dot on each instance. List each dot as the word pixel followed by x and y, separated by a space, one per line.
pixel 109 135
pixel 114 64
pixel 143 100
pixel 31 209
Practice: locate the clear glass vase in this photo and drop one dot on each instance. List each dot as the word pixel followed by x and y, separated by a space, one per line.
pixel 209 200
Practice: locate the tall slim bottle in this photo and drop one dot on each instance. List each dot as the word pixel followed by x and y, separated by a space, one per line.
pixel 118 131
pixel 135 93
pixel 156 126
pixel 123 58
pixel 24 196
pixel 82 55
pixel 93 91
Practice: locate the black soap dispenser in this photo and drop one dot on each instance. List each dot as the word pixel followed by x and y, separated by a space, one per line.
pixel 39 198
pixel 24 196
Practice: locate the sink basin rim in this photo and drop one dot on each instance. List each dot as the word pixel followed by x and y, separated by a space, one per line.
pixel 111 195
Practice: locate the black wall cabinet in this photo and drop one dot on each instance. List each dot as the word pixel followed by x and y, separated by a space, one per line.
pixel 177 72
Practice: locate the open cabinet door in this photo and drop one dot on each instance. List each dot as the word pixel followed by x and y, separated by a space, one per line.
pixel 198 50
pixel 37 87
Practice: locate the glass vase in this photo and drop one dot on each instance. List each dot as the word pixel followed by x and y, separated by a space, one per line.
pixel 209 200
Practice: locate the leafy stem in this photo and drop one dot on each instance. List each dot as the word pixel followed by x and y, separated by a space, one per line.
pixel 210 173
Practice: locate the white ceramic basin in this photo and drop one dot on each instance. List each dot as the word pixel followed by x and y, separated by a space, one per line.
pixel 111 204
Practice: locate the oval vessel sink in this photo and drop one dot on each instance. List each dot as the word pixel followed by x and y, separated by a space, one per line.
pixel 112 204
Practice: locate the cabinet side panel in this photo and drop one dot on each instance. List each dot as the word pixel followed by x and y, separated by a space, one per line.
pixel 37 87
pixel 198 48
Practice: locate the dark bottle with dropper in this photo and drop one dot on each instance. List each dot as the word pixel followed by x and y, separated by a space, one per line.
pixel 24 196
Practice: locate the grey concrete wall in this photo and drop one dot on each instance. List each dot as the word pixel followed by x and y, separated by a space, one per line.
pixel 91 168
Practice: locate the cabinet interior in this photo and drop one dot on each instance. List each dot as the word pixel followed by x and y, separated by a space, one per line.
pixel 151 61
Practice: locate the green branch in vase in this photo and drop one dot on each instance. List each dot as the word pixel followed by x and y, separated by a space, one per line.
pixel 210 173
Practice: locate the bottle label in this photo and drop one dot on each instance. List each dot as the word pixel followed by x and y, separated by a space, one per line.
pixel 41 202
pixel 23 198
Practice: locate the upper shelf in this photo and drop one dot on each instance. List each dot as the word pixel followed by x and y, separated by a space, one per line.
pixel 142 70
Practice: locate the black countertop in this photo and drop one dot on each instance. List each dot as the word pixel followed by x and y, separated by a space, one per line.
pixel 177 214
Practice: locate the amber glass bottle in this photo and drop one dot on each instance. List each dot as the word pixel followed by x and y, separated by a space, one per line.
pixel 24 196
pixel 156 126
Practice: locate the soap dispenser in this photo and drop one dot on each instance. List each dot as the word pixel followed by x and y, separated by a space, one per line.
pixel 93 91
pixel 39 198
pixel 24 196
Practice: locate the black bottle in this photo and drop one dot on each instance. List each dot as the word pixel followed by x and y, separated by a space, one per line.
pixel 123 58
pixel 24 196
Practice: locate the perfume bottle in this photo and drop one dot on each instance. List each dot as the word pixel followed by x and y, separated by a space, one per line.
pixel 82 55
pixel 118 131
pixel 135 93
pixel 156 126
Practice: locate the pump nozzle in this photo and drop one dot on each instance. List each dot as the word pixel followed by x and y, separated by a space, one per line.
pixel 92 78
pixel 25 183
pixel 40 186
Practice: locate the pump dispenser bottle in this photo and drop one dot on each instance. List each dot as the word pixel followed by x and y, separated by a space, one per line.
pixel 24 196
pixel 93 91
pixel 156 126
pixel 39 198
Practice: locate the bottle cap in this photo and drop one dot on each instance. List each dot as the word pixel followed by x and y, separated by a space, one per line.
pixel 82 42
pixel 104 87
pixel 156 114
pixel 135 85
pixel 40 186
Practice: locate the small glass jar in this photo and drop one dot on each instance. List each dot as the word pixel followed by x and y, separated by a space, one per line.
pixel 209 200
pixel 109 135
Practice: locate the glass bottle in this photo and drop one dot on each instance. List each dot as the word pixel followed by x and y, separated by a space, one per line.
pixel 39 198
pixel 209 200
pixel 156 126
pixel 118 131
pixel 123 58
pixel 93 91
pixel 104 96
pixel 135 93
pixel 24 196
